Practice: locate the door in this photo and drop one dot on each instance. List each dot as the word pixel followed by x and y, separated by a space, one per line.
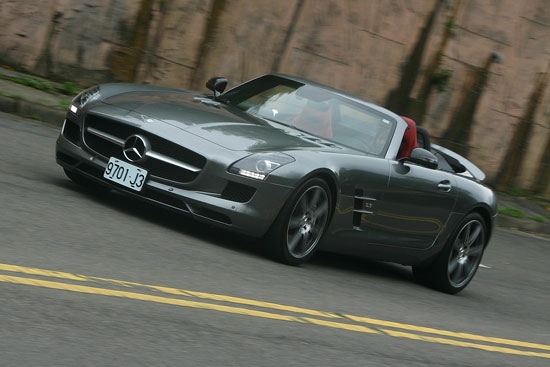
pixel 415 207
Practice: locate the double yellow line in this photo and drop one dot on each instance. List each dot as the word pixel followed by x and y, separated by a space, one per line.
pixel 216 302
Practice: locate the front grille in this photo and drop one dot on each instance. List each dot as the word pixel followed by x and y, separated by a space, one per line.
pixel 103 147
pixel 106 137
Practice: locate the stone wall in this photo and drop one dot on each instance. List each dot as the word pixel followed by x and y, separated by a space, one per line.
pixel 360 46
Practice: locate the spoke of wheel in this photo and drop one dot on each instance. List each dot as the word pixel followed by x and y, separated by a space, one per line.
pixel 453 264
pixel 293 239
pixel 475 251
pixel 472 237
pixel 295 222
pixel 321 210
pixel 303 204
pixel 315 197
pixel 466 231
pixel 305 242
pixel 457 245
pixel 315 231
pixel 468 267
pixel 456 276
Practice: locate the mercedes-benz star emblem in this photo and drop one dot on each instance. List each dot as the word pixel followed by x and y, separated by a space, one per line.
pixel 135 148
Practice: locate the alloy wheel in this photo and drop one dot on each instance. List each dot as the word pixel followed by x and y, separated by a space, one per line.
pixel 466 253
pixel 307 221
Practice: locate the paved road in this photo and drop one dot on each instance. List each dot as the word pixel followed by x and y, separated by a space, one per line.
pixel 105 281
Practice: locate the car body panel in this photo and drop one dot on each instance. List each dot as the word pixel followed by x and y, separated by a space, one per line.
pixel 384 208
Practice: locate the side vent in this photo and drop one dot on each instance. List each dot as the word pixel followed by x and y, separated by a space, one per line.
pixel 362 205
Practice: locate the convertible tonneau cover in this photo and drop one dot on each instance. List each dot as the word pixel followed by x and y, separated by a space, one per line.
pixel 475 171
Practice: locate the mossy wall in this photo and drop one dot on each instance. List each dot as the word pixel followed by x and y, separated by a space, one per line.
pixel 395 53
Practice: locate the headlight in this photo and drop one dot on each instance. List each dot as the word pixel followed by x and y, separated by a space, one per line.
pixel 84 97
pixel 260 165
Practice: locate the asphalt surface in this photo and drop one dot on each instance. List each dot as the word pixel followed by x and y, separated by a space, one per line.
pixel 49 108
pixel 104 280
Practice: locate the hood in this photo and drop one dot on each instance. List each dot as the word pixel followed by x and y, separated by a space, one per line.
pixel 223 125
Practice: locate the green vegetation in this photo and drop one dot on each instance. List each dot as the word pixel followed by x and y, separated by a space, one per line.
pixel 450 25
pixel 69 88
pixel 538 218
pixel 12 95
pixel 441 78
pixel 511 212
pixel 66 88
pixel 65 103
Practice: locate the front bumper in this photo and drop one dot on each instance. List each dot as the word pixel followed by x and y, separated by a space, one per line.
pixel 222 207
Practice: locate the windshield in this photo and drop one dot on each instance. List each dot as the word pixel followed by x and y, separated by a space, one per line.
pixel 315 110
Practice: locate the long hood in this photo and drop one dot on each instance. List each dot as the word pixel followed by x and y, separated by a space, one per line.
pixel 223 125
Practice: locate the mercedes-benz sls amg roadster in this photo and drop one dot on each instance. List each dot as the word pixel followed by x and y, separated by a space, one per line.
pixel 301 165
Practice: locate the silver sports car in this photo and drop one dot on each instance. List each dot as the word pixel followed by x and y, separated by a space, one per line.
pixel 302 165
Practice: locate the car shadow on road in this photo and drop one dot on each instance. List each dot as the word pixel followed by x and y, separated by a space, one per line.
pixel 170 219
pixel 231 241
pixel 356 265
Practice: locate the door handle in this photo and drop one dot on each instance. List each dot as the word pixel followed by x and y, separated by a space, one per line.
pixel 445 186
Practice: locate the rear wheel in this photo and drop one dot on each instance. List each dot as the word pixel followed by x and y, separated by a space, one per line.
pixel 457 264
pixel 301 223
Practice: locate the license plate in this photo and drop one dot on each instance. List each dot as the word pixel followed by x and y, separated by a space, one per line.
pixel 125 174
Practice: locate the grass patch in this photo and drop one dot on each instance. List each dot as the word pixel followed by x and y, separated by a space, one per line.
pixel 69 88
pixel 66 88
pixel 512 212
pixel 11 95
pixel 65 103
pixel 538 218
pixel 36 84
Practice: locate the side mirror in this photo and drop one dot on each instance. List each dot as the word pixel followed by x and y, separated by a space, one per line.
pixel 216 85
pixel 422 157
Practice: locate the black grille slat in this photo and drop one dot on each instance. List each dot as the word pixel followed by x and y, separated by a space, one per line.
pixel 238 192
pixel 104 147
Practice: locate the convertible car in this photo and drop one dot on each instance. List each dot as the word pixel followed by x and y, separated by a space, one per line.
pixel 299 164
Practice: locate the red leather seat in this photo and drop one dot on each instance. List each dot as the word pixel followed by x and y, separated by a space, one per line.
pixel 410 139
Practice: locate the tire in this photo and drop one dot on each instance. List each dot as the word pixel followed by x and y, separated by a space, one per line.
pixel 457 264
pixel 300 225
pixel 85 182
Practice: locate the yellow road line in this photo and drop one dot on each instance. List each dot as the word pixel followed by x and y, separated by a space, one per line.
pixel 168 290
pixel 453 334
pixel 42 272
pixel 458 343
pixel 402 333
pixel 144 297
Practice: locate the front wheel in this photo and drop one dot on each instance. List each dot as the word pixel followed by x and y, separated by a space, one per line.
pixel 457 264
pixel 301 223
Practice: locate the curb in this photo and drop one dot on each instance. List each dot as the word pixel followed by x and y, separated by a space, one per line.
pixel 24 108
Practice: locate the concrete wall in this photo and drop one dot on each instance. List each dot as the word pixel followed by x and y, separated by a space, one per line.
pixel 360 46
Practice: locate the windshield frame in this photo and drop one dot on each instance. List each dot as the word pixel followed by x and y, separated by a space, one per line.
pixel 362 132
